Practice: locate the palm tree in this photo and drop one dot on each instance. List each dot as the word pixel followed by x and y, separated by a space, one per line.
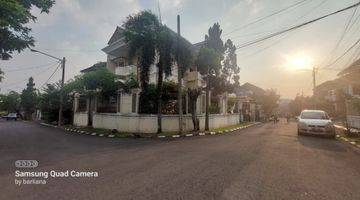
pixel 141 32
pixel 207 63
pixel 150 42
pixel 164 48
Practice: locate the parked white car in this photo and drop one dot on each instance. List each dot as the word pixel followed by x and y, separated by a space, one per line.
pixel 315 122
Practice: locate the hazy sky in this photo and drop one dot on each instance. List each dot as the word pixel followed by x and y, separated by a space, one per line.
pixel 79 29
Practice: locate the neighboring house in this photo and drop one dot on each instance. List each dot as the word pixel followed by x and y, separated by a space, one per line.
pixel 341 91
pixel 248 89
pixel 118 59
pixel 250 109
pixel 124 114
pixel 94 67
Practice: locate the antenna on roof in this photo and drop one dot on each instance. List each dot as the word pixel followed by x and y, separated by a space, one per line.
pixel 159 11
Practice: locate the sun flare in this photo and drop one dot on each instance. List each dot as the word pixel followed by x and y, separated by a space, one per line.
pixel 299 61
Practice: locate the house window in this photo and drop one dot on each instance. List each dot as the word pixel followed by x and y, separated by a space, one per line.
pixel 120 62
pixel 133 100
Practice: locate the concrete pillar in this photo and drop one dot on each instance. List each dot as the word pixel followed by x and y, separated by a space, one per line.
pixel 186 103
pixel 119 100
pixel 136 91
pixel 76 102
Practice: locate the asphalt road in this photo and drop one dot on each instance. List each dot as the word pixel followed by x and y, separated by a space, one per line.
pixel 262 162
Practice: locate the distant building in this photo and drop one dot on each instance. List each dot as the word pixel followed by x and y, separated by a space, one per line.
pixel 340 91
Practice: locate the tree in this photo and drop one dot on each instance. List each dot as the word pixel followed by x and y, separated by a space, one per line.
pixel 87 83
pixel 164 46
pixel 49 103
pixel 269 101
pixel 140 33
pixel 193 95
pixel 28 99
pixel 10 102
pixel 1 75
pixel 14 15
pixel 230 69
pixel 153 43
pixel 207 63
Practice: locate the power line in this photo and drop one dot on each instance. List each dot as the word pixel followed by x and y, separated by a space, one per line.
pixel 28 68
pixel 342 55
pixel 267 16
pixel 33 75
pixel 287 36
pixel 294 27
pixel 51 75
pixel 341 38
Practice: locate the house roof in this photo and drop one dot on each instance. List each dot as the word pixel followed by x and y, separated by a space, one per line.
pixel 354 67
pixel 94 67
pixel 117 35
pixel 249 89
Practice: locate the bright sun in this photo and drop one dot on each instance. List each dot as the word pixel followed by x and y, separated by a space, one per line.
pixel 299 61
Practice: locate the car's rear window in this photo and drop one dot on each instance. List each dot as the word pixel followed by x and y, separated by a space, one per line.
pixel 314 115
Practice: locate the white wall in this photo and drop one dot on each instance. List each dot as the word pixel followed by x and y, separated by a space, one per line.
pixel 80 119
pixel 148 123
pixel 354 121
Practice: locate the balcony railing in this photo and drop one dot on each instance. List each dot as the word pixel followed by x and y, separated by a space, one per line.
pixel 125 70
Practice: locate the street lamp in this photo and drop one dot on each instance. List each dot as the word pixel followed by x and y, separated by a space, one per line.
pixel 62 81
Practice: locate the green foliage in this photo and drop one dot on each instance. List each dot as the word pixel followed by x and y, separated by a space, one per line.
pixel 213 40
pixel 28 98
pixel 185 57
pixel 148 101
pixel 269 101
pixel 14 15
pixel 49 102
pixel 130 83
pixel 207 60
pixel 141 32
pixel 87 83
pixel 1 75
pixel 10 102
pixel 230 69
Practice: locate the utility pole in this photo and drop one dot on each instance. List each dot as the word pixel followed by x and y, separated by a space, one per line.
pixel 207 96
pixel 62 61
pixel 314 79
pixel 61 91
pixel 314 84
pixel 179 78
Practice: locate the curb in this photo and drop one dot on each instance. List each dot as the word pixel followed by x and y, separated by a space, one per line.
pixel 77 131
pixel 343 139
pixel 80 132
pixel 208 133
